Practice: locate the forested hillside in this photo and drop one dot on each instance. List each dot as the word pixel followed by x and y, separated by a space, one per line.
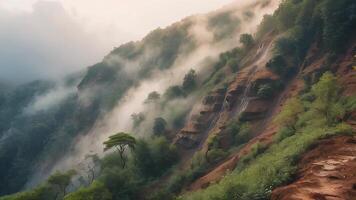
pixel 239 103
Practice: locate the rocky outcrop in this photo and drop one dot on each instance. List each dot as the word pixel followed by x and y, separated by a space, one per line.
pixel 197 127
pixel 255 110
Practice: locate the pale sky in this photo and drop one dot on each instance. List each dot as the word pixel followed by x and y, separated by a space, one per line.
pixel 49 38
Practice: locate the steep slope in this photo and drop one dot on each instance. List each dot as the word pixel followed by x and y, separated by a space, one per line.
pixel 325 172
pixel 217 114
pixel 79 123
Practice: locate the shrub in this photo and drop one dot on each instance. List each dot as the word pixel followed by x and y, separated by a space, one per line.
pixel 216 155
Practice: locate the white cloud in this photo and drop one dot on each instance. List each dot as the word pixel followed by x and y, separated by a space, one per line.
pixel 48 39
pixel 44 43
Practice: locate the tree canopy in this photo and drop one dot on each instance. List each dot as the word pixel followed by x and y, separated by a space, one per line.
pixel 121 141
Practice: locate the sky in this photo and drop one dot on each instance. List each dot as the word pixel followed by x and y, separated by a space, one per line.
pixel 47 39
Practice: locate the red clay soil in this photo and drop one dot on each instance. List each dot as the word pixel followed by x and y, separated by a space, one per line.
pixel 328 172
pixel 345 68
pixel 266 138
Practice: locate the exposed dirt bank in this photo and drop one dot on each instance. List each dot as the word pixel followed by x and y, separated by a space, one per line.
pixel 327 172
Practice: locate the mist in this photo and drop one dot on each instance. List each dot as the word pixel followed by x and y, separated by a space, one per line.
pixel 119 119
pixel 50 39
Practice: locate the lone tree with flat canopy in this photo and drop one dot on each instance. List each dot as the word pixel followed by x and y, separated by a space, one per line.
pixel 120 141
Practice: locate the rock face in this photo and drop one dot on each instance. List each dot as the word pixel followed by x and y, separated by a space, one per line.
pixel 326 172
pixel 197 128
pixel 255 110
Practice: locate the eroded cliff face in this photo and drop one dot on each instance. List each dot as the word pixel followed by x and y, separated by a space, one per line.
pixel 238 99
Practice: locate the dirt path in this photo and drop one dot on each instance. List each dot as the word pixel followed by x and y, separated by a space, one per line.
pixel 328 172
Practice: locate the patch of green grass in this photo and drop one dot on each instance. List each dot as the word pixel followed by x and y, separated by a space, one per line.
pixel 273 168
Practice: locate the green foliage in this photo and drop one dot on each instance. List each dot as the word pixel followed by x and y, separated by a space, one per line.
pixel 60 181
pixel 285 46
pixel 268 24
pixel 233 63
pixel 198 167
pixel 265 91
pixel 276 166
pixel 327 102
pixel 283 133
pixel 216 155
pixel 189 81
pixel 290 113
pixel 55 188
pixel 159 126
pixel 137 119
pixel 174 92
pixel 96 191
pixel 277 65
pixel 223 25
pixel 122 183
pixel 120 141
pixel 154 157
pixel 246 40
pixel 44 192
pixel 153 97
pixel 286 14
pixel 338 22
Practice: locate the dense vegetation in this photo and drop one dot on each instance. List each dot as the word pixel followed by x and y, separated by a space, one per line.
pixel 137 164
pixel 305 121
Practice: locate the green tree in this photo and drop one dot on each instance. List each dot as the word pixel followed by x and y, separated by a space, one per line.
pixel 60 182
pixel 120 141
pixel 159 126
pixel 174 92
pixel 152 97
pixel 189 81
pixel 246 40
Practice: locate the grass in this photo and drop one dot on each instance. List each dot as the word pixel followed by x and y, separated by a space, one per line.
pixel 269 170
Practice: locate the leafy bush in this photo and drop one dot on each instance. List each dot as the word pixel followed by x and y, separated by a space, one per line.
pixel 216 155
pixel 96 191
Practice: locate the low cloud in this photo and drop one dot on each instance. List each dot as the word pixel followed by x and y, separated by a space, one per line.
pixel 45 43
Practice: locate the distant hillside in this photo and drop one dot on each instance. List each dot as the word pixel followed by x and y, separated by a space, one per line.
pixel 241 103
